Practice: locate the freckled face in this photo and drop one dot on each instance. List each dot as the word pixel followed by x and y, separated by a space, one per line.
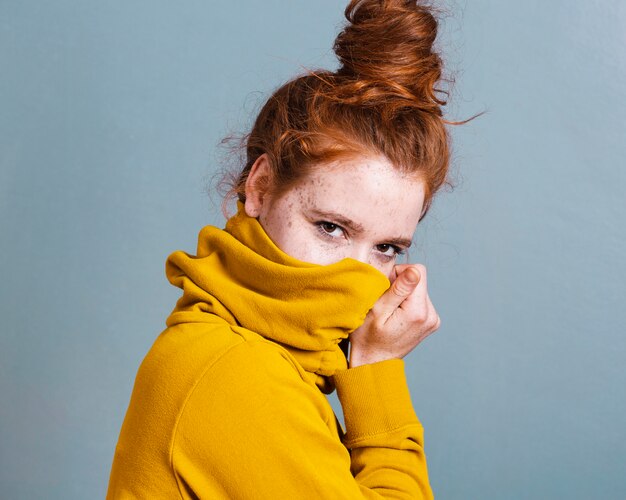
pixel 360 208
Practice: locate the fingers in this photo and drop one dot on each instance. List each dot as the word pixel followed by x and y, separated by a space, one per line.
pixel 401 318
pixel 419 308
pixel 419 294
pixel 410 296
pixel 407 280
pixel 405 283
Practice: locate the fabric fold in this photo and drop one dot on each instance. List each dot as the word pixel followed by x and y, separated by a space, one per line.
pixel 240 275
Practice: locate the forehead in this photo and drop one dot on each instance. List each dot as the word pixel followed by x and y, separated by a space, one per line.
pixel 365 190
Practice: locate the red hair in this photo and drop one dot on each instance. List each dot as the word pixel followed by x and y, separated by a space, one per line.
pixel 383 100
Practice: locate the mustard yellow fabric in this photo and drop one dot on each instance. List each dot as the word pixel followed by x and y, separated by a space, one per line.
pixel 229 402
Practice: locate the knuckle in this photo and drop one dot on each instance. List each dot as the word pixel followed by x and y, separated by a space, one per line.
pixel 419 316
pixel 377 324
pixel 434 325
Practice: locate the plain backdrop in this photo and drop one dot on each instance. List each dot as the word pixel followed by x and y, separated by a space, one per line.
pixel 110 117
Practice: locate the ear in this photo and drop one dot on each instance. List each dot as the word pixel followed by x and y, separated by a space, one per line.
pixel 257 185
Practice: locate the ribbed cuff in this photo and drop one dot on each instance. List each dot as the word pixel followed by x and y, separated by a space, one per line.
pixel 375 399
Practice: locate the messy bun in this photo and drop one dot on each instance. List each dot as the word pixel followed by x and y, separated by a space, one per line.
pixel 387 50
pixel 383 100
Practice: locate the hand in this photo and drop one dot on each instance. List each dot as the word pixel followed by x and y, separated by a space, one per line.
pixel 399 320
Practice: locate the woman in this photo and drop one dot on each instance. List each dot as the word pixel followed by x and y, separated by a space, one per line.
pixel 341 166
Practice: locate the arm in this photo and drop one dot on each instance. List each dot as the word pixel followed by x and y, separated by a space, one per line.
pixel 382 431
pixel 254 428
pixel 374 393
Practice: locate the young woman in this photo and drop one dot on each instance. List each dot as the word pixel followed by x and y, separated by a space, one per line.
pixel 341 166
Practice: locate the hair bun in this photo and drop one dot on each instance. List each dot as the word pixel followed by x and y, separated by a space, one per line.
pixel 387 51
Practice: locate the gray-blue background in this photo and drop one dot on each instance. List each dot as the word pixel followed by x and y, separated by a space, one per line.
pixel 110 114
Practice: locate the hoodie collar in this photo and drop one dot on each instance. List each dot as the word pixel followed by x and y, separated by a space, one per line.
pixel 240 275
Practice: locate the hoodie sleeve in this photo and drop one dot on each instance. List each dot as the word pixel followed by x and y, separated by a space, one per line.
pixel 253 428
pixel 382 431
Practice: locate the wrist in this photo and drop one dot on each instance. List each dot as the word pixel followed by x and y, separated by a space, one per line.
pixel 360 358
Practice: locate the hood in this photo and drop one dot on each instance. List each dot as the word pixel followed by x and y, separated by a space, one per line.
pixel 240 275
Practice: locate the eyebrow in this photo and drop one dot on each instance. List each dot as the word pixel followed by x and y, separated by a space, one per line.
pixel 356 227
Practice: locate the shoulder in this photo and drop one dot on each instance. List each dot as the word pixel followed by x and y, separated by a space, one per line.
pixel 188 352
pixel 254 367
pixel 253 385
pixel 209 363
pixel 201 362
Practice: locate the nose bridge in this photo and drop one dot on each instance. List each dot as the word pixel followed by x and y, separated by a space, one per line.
pixel 360 252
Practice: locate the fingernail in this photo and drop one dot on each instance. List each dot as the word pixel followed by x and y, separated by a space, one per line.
pixel 412 276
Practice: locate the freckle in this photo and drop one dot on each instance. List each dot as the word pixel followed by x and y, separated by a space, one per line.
pixel 290 223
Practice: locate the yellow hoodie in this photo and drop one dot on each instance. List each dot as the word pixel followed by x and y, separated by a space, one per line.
pixel 229 402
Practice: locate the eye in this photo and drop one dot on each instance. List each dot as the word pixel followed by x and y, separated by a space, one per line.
pixel 329 229
pixel 389 250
